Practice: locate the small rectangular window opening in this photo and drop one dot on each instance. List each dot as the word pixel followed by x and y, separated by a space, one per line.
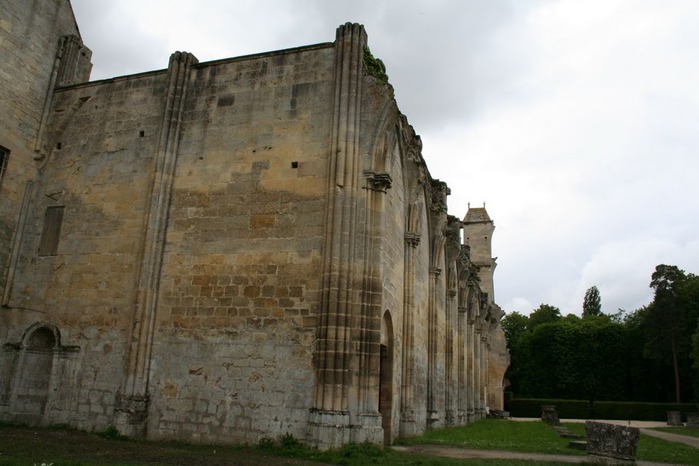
pixel 53 219
pixel 294 165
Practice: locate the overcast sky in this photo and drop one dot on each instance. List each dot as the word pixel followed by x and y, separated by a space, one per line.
pixel 577 122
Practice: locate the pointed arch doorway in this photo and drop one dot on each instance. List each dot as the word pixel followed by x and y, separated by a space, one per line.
pixel 386 378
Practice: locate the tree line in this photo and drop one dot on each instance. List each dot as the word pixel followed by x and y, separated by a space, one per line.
pixel 650 354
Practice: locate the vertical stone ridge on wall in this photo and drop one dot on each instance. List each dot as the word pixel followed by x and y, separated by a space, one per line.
pixel 16 242
pixel 472 311
pixel 330 415
pixel 71 66
pixel 438 210
pixel 464 267
pixel 461 402
pixel 481 357
pixel 132 402
pixel 378 182
pixel 453 250
pixel 412 241
pixel 368 425
pixel 413 224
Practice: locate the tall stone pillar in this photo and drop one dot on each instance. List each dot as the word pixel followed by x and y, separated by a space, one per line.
pixel 464 276
pixel 438 212
pixel 330 417
pixel 449 388
pixel 453 256
pixel 131 408
pixel 367 421
pixel 483 374
pixel 478 374
pixel 433 419
pixel 461 401
pixel 407 411
pixel 470 366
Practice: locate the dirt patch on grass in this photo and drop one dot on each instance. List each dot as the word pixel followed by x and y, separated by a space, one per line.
pixel 25 445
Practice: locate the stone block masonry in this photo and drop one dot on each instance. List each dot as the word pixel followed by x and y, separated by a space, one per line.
pixel 246 248
pixel 611 441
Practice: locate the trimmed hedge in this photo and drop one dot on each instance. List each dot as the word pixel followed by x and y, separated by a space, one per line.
pixel 567 409
pixel 614 410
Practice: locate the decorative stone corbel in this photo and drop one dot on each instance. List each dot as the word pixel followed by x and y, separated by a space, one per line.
pixel 412 239
pixel 380 182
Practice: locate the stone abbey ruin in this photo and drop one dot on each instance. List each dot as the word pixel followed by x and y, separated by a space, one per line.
pixel 231 250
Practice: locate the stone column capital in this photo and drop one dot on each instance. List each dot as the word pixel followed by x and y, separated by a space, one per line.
pixel 412 239
pixel 380 182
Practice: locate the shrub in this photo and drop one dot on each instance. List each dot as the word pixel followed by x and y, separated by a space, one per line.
pixel 112 433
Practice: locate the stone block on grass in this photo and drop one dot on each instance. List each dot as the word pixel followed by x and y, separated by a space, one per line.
pixel 611 441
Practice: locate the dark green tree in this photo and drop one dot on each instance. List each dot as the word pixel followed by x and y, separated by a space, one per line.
pixel 544 314
pixel 574 358
pixel 689 302
pixel 514 325
pixel 666 316
pixel 592 303
pixel 650 354
pixel 535 349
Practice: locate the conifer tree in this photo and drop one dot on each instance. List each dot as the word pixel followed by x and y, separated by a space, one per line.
pixel 592 304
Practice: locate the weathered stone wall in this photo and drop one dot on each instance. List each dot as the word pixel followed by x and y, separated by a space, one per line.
pixel 107 134
pixel 28 64
pixel 248 247
pixel 393 263
pixel 30 33
pixel 239 291
pixel 498 362
pixel 421 318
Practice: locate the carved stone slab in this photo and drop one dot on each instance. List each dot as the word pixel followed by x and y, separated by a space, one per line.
pixel 612 441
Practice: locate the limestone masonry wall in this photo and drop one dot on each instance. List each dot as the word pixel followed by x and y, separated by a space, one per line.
pixel 231 250
pixel 30 35
pixel 239 299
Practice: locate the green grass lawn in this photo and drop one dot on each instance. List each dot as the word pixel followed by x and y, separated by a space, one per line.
pixel 29 446
pixel 689 431
pixel 655 449
pixel 497 434
pixel 61 446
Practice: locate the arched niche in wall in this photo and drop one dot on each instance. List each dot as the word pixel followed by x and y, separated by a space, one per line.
pixel 33 372
pixel 386 377
pixel 33 377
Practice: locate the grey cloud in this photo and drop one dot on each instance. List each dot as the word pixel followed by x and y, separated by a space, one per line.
pixel 575 121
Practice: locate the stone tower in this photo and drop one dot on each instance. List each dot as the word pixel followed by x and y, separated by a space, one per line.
pixel 478 234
